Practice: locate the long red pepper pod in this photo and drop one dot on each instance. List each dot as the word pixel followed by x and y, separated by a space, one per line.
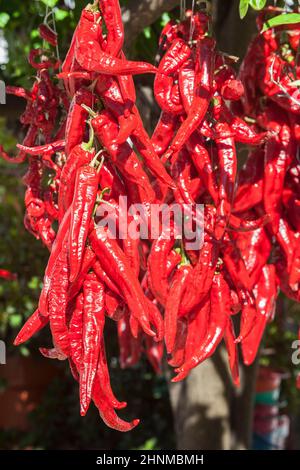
pixel 85 194
pixel 203 93
pixel 104 278
pixel 186 79
pixel 101 401
pixel 107 412
pixel 178 354
pixel 227 168
pixel 168 69
pixel 125 158
pixel 111 12
pixel 33 325
pixel 55 252
pixel 157 264
pixel 104 379
pixel 58 301
pixel 154 353
pixel 202 161
pixel 92 58
pixel 243 133
pixel 266 293
pixel 219 316
pixel 93 325
pixel 232 351
pixel 177 288
pixel 88 261
pixel 76 329
pixel 201 278
pixel 77 116
pixel 255 249
pixel 164 132
pixel 43 149
pixel 277 158
pixel 80 155
pixel 116 265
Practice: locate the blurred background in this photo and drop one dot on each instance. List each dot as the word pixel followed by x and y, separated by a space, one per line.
pixel 39 398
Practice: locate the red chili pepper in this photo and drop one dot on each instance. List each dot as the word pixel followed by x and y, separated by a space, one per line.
pixel 88 262
pixel 266 293
pixel 33 325
pixel 4 274
pixel 228 168
pixel 157 260
pixel 93 325
pixel 85 194
pixel 81 155
pixel 115 264
pixel 277 158
pixel 48 34
pixel 220 311
pixel 125 158
pixel 77 116
pixel 111 12
pixel 55 252
pixel 58 300
pixel 232 351
pixel 163 133
pixel 177 288
pixel 43 149
pixel 203 92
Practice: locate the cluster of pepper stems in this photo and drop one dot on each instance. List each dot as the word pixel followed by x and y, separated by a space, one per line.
pixel 86 146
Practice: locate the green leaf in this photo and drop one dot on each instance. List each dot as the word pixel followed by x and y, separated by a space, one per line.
pixel 60 14
pixel 244 5
pixel 15 320
pixel 50 3
pixel 287 18
pixel 147 32
pixel 24 351
pixel 165 18
pixel 4 19
pixel 258 4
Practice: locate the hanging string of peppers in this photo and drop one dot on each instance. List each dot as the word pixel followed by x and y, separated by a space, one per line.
pixel 86 146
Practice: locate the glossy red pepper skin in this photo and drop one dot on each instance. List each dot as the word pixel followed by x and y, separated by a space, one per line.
pixel 266 293
pixel 177 288
pixel 165 90
pixel 157 261
pixel 163 133
pixel 58 301
pixel 92 58
pixel 48 34
pixel 114 262
pixel 78 158
pixel 93 325
pixel 278 156
pixel 111 12
pixel 203 93
pixel 32 326
pixel 85 194
pixel 232 352
pixel 220 311
pixel 125 158
pixel 55 252
pixel 77 116
pixel 228 169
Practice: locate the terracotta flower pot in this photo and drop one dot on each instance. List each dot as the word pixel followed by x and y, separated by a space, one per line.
pixel 26 379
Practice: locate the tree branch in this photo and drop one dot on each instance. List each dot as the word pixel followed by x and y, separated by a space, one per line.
pixel 141 13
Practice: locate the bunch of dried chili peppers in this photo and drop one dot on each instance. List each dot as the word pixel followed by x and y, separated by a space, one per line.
pixel 87 147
